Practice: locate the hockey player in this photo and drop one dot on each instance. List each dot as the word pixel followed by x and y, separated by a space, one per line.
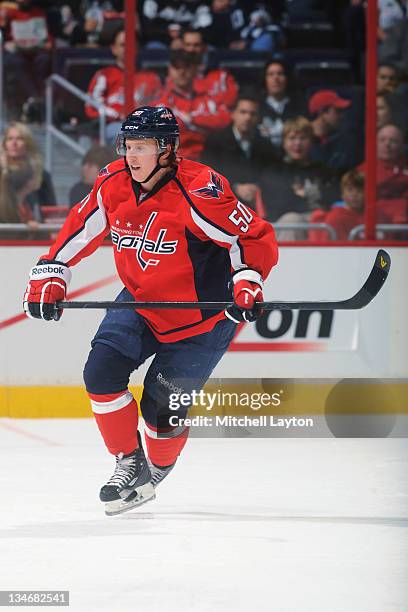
pixel 178 233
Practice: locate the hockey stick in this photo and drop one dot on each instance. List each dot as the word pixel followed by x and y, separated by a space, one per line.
pixel 363 297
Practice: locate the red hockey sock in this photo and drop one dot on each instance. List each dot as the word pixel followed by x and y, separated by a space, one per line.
pixel 117 418
pixel 164 451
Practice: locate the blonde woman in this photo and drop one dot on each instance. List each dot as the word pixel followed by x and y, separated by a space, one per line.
pixel 20 157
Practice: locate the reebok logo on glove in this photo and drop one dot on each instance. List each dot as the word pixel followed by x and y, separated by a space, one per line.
pixel 47 269
pixel 47 285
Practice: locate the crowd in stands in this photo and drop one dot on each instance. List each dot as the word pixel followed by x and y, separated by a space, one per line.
pixel 295 154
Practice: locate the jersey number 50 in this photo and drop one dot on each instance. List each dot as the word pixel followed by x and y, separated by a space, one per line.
pixel 241 217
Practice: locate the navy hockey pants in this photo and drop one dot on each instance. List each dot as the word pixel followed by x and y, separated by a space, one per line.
pixel 124 341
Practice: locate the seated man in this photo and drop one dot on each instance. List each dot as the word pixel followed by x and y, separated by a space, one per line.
pixel 196 114
pixel 108 87
pixel 392 173
pixel 335 146
pixel 219 84
pixel 239 151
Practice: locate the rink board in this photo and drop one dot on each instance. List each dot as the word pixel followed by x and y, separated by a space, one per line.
pixel 41 363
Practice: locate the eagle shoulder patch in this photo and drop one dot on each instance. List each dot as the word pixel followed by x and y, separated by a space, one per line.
pixel 212 189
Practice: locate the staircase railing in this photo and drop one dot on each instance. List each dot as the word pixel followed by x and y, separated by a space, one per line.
pixel 53 132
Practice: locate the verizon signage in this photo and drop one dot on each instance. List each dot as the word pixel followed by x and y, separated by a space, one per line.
pixel 299 330
pixel 372 342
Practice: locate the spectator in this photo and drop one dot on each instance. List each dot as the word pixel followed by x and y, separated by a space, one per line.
pixel 347 213
pixel 239 152
pixel 292 189
pixel 278 104
pixel 19 152
pixel 93 161
pixel 107 87
pixel 26 54
pixel 95 23
pixel 15 185
pixel 392 173
pixel 383 109
pixel 261 34
pixel 197 114
pixel 219 84
pixel 63 22
pixel 388 78
pixel 334 145
pixel 391 14
pixel 222 23
pixel 394 47
pixel 175 36
pixel 158 18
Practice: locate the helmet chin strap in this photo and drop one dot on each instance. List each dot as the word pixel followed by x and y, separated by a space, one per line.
pixel 155 169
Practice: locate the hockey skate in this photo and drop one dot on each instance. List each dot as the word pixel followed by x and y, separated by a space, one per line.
pixel 159 473
pixel 130 485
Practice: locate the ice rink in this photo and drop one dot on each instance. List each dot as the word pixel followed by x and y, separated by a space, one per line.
pixel 308 525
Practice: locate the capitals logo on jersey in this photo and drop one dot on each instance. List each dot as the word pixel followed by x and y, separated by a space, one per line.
pixel 143 244
pixel 212 189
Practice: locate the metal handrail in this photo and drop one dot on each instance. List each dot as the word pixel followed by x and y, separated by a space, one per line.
pixel 385 227
pixel 306 226
pixel 50 129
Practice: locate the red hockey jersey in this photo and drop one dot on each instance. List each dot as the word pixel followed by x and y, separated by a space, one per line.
pixel 196 116
pixel 108 87
pixel 26 28
pixel 179 242
pixel 219 85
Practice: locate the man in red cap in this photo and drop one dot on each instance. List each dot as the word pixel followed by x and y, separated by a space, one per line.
pixel 334 146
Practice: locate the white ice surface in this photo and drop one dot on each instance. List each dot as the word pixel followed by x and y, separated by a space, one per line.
pixel 279 525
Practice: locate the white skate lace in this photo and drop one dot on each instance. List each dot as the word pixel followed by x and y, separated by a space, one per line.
pixel 158 473
pixel 124 472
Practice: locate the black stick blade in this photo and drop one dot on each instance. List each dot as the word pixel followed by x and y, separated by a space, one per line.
pixel 376 279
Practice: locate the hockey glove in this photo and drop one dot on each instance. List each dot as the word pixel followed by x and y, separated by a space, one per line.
pixel 247 292
pixel 47 285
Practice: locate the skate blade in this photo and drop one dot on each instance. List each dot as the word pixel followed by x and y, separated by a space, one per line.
pixel 118 506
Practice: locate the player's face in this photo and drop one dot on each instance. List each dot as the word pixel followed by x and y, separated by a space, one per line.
pixel 14 144
pixel 297 145
pixel 141 156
